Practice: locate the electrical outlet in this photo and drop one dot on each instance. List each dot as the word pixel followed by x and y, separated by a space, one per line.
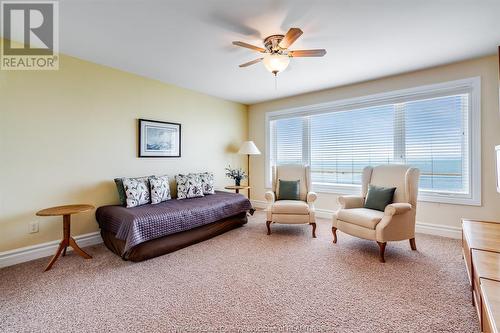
pixel 33 227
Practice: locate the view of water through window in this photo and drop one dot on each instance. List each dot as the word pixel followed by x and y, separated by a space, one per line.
pixel 430 134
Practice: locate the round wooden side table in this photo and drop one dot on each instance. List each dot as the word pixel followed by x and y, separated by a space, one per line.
pixel 237 188
pixel 66 212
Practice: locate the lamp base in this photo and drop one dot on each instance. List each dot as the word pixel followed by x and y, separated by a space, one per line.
pixel 248 175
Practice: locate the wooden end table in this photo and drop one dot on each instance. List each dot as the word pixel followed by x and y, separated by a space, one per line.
pixel 237 188
pixel 66 212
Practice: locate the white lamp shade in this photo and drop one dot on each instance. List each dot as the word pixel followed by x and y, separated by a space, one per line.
pixel 249 148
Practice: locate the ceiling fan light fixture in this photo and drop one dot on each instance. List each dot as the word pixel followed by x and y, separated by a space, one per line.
pixel 276 63
pixel 276 55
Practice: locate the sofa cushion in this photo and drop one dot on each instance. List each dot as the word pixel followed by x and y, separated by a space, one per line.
pixel 289 189
pixel 379 197
pixel 188 186
pixel 160 189
pixel 290 207
pixel 121 189
pixel 364 217
pixel 207 182
pixel 137 191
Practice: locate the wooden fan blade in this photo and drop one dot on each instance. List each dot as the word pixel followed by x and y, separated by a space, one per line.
pixel 307 53
pixel 246 64
pixel 249 46
pixel 290 37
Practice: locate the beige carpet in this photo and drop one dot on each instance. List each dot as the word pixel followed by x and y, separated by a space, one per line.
pixel 247 281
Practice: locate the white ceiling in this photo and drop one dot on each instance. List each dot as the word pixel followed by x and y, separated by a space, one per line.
pixel 188 42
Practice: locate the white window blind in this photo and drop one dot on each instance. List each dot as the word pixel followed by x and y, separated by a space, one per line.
pixel 436 141
pixel 343 143
pixel 433 134
pixel 288 135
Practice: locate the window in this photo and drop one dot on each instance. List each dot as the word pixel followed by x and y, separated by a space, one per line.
pixel 434 128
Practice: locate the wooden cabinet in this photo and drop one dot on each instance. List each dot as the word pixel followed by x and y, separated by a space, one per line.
pixel 490 305
pixel 486 266
pixel 481 235
pixel 481 251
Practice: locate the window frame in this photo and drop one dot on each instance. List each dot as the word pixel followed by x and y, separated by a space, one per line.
pixel 470 85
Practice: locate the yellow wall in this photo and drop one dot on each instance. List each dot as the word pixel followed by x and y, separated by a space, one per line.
pixel 433 213
pixel 64 136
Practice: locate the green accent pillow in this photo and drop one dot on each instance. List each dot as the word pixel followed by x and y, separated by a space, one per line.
pixel 121 191
pixel 289 189
pixel 379 197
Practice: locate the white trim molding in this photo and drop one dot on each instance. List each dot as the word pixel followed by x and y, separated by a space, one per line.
pixel 439 230
pixel 421 227
pixel 28 253
pixel 471 86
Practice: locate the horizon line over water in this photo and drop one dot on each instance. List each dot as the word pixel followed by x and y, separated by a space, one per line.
pixel 447 174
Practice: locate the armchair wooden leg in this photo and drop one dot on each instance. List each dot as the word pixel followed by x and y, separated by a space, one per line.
pixel 268 224
pixel 334 232
pixel 413 245
pixel 382 251
pixel 314 229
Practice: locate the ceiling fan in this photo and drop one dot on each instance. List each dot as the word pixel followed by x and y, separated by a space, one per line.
pixel 276 55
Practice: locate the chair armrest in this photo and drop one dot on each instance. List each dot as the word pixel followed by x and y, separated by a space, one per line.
pixel 397 224
pixel 270 198
pixel 311 197
pixel 397 208
pixel 351 201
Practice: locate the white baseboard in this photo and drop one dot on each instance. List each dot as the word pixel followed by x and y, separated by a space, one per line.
pixel 439 230
pixel 258 204
pixel 421 227
pixel 28 253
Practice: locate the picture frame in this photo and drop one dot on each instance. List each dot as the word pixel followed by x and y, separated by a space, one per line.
pixel 159 138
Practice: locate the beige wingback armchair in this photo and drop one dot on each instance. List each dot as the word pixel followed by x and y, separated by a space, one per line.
pixel 291 211
pixel 396 223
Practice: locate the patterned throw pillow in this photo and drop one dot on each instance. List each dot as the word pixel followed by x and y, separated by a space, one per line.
pixel 121 189
pixel 188 186
pixel 137 191
pixel 207 182
pixel 160 189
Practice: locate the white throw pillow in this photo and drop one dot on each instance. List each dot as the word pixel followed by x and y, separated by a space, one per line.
pixel 188 186
pixel 207 182
pixel 137 191
pixel 160 189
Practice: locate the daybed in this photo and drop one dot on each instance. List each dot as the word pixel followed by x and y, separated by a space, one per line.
pixel 148 231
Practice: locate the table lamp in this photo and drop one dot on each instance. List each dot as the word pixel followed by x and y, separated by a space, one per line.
pixel 248 148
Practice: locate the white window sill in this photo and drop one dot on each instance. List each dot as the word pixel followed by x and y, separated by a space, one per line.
pixel 446 198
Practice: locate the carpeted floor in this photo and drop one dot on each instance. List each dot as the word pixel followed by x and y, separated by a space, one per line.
pixel 247 281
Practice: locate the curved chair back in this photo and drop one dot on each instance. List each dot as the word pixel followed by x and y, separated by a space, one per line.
pixel 292 172
pixel 403 177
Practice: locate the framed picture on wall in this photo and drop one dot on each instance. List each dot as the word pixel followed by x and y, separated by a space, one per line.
pixel 159 139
